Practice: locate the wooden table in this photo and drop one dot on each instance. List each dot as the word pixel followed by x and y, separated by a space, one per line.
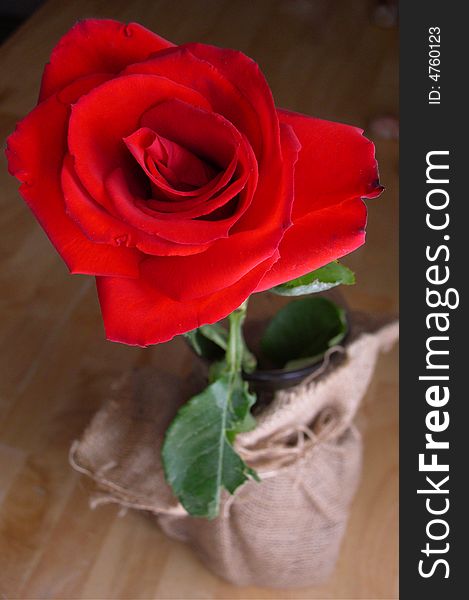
pixel 320 58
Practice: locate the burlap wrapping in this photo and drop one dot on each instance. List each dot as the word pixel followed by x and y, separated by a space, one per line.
pixel 283 532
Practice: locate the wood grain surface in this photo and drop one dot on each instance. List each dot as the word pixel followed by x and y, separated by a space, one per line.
pixel 321 58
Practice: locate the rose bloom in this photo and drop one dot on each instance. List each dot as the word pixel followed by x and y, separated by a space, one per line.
pixel 168 173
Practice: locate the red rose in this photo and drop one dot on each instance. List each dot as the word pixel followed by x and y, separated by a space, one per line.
pixel 168 173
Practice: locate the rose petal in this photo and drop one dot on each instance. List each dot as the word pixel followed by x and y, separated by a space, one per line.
pixel 165 225
pixel 228 260
pixel 97 46
pixel 155 318
pixel 35 153
pixel 204 133
pixel 101 119
pixel 207 135
pixel 245 75
pixel 101 227
pixel 243 97
pixel 190 66
pixel 336 163
pixel 174 200
pixel 183 169
pixel 317 239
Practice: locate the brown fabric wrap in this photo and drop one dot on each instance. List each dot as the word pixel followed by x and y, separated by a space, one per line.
pixel 283 532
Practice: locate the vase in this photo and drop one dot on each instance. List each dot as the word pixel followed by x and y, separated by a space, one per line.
pixel 284 531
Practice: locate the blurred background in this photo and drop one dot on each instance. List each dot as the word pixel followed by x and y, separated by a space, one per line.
pixel 336 60
pixel 13 13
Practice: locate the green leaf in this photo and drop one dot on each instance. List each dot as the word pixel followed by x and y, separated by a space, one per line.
pixel 198 455
pixel 216 370
pixel 216 333
pixel 208 341
pixel 303 329
pixel 240 410
pixel 319 280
